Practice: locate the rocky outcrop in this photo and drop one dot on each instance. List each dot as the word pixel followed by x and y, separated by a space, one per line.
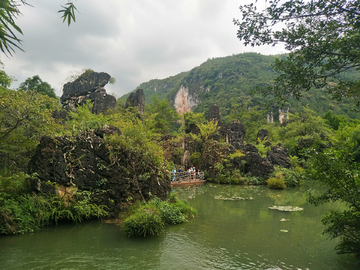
pixel 101 132
pixel 278 157
pixel 234 133
pixel 255 164
pixel 214 114
pixel 193 129
pixel 185 101
pixel 136 99
pixel 263 134
pixel 65 164
pixel 62 114
pixel 88 87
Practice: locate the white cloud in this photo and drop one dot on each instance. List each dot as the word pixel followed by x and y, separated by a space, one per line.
pixel 133 40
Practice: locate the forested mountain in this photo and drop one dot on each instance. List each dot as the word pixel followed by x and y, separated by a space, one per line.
pixel 233 80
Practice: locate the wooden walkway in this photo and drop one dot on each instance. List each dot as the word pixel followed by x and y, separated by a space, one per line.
pixel 187 178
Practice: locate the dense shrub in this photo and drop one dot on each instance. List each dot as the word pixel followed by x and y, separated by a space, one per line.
pixel 151 218
pixel 147 220
pixel 282 177
pixel 276 183
pixel 21 212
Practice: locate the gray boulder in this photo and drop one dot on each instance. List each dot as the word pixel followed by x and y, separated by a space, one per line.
pixel 84 85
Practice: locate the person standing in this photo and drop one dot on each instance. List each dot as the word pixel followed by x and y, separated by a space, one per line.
pixel 193 170
pixel 174 174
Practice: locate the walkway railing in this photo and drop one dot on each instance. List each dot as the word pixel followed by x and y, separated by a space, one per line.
pixel 186 176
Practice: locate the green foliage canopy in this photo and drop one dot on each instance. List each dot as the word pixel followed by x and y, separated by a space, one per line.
pixel 165 116
pixel 336 169
pixel 323 37
pixel 35 83
pixel 25 116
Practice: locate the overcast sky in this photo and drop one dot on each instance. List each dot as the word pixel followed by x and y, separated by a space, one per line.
pixel 132 40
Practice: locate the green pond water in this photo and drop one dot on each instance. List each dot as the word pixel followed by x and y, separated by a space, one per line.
pixel 227 234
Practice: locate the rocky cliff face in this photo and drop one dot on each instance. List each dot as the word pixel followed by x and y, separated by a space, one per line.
pixel 184 101
pixel 88 87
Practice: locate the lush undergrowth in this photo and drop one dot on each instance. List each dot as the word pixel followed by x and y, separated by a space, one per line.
pixel 23 212
pixel 151 218
pixel 283 178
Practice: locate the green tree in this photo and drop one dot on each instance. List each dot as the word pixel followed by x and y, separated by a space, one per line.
pixel 333 120
pixel 35 83
pixel 5 80
pixel 303 131
pixel 164 116
pixel 25 116
pixel 323 40
pixel 336 169
pixel 250 116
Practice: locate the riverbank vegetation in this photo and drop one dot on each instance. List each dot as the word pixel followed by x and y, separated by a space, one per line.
pixel 151 218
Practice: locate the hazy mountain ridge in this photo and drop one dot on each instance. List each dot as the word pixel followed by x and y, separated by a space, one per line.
pixel 219 80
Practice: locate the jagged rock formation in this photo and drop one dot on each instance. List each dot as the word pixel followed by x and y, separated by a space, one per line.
pixel 192 128
pixel 234 133
pixel 279 156
pixel 255 164
pixel 263 134
pixel 136 99
pixel 214 114
pixel 88 87
pixel 283 114
pixel 66 164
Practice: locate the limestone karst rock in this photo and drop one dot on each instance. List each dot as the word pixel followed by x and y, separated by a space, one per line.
pixel 263 134
pixel 65 165
pixel 136 99
pixel 278 156
pixel 214 114
pixel 233 133
pixel 88 87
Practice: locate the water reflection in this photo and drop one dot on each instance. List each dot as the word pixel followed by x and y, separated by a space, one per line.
pixel 228 234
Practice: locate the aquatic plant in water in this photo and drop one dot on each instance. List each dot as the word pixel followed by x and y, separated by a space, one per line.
pixel 152 218
pixel 286 208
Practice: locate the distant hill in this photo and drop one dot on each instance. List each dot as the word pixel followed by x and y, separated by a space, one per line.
pixel 220 80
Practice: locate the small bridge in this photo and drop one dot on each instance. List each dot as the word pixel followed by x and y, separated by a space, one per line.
pixel 187 178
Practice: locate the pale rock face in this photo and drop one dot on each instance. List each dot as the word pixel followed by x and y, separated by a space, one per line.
pixel 184 101
pixel 283 114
